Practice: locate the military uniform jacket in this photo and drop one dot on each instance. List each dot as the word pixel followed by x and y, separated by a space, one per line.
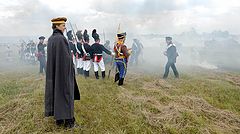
pixel 172 53
pixel 79 47
pixel 41 48
pixel 87 48
pixel 99 49
pixel 73 48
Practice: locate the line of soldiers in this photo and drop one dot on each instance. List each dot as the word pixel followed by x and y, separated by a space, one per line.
pixel 84 54
pixel 32 53
pixel 61 87
pixel 27 52
pixel 95 54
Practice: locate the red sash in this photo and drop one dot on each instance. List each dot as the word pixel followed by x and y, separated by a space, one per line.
pixel 97 58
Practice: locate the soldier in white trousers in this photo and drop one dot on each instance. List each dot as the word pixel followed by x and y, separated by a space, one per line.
pixel 87 52
pixel 97 56
pixel 79 55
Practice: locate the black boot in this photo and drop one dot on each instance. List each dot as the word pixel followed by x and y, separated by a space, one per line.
pixel 96 75
pixel 59 122
pixel 84 73
pixel 87 74
pixel 120 82
pixel 78 70
pixel 69 123
pixel 103 74
pixel 81 71
pixel 117 77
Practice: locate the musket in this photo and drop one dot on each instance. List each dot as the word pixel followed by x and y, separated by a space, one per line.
pixel 76 27
pixel 109 72
pixel 76 39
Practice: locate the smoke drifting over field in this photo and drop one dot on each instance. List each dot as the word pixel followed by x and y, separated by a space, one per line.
pixel 205 32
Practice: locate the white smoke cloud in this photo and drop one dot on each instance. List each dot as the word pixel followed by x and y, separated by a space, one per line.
pixel 32 17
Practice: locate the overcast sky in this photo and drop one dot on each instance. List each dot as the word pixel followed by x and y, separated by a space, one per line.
pixel 32 17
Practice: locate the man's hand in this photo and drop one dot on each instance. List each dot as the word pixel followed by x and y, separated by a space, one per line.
pixel 112 54
pixel 130 51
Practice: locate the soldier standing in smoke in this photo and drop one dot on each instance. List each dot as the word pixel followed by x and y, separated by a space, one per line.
pixel 140 51
pixel 121 58
pixel 32 52
pixel 133 57
pixel 8 53
pixel 27 52
pixel 87 52
pixel 21 51
pixel 41 54
pixel 97 54
pixel 172 55
pixel 136 51
pixel 79 55
pixel 33 48
pixel 61 87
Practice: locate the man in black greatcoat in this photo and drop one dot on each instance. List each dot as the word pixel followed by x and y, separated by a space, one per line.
pixel 61 87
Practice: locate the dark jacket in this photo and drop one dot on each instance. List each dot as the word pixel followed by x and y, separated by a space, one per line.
pixel 79 47
pixel 87 48
pixel 172 54
pixel 99 49
pixel 72 47
pixel 41 48
pixel 61 87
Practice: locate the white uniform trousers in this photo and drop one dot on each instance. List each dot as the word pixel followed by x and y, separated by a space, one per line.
pixel 87 65
pixel 80 63
pixel 99 64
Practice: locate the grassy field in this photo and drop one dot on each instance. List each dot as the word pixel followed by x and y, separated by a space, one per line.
pixel 201 101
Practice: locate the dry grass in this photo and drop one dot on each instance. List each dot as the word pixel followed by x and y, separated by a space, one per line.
pixel 206 103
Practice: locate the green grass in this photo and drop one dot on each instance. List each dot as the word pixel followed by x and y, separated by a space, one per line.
pixel 196 103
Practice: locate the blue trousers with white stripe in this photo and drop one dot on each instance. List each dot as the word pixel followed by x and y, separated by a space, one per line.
pixel 122 67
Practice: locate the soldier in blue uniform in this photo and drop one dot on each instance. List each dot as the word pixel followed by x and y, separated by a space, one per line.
pixel 122 54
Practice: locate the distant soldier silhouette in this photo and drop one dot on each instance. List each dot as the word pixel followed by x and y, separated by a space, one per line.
pixel 136 52
pixel 41 54
pixel 172 55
